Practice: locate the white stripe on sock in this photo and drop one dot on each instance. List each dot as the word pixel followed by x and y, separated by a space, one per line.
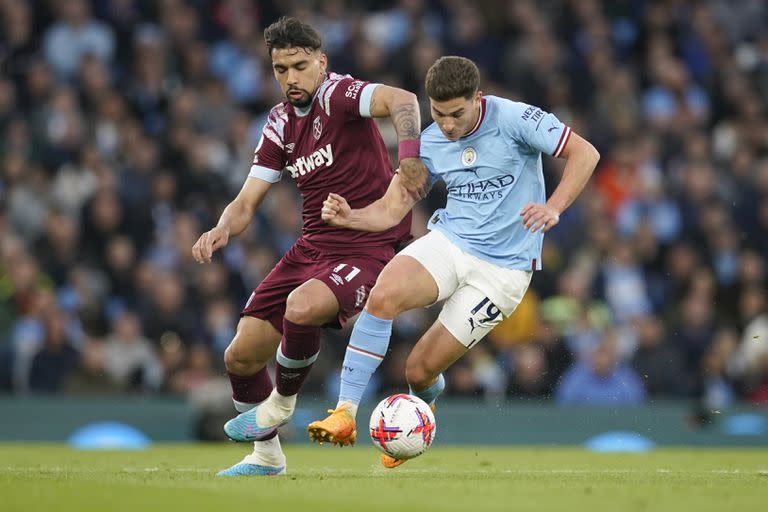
pixel 365 353
pixel 293 363
pixel 244 406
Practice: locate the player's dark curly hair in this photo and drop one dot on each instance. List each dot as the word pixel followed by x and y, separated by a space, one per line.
pixel 288 32
pixel 452 77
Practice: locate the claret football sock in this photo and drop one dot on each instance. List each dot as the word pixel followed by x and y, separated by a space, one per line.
pixel 365 351
pixel 248 391
pixel 296 354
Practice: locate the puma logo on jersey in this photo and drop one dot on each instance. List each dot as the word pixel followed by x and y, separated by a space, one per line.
pixel 315 160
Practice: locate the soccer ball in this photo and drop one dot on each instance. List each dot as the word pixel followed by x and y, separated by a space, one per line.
pixel 402 426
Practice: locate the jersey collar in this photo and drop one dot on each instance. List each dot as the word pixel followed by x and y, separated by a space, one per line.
pixel 479 119
pixel 301 112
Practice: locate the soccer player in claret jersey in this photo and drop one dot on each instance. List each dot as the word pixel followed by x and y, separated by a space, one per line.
pixel 325 139
pixel 482 248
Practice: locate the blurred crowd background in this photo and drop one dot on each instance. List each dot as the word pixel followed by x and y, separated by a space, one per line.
pixel 127 125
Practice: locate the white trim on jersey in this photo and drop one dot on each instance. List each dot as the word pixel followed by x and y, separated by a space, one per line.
pixel 563 141
pixel 366 98
pixel 274 136
pixel 326 103
pixel 275 127
pixel 265 174
pixel 323 94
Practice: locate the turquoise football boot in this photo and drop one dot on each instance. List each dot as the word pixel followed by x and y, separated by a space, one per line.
pixel 243 427
pixel 245 469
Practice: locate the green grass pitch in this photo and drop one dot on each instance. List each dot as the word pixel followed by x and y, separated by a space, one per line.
pixel 180 477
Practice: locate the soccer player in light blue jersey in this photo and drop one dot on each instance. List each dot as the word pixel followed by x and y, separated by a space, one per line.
pixel 482 248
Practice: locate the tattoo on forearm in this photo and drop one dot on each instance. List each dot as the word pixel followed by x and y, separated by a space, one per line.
pixel 407 122
pixel 413 177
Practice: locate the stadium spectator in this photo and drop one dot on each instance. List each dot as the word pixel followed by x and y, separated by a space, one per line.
pixel 713 387
pixel 602 380
pixel 657 362
pixel 747 362
pixel 90 376
pixel 57 359
pixel 128 358
pixel 75 35
pixel 530 377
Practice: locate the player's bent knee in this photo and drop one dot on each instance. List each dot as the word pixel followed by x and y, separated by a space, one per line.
pixel 302 311
pixel 298 313
pixel 383 302
pixel 240 362
pixel 231 360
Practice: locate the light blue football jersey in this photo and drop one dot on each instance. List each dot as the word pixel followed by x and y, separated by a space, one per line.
pixel 491 174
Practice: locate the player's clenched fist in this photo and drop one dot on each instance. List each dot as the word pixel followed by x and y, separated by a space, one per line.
pixel 209 242
pixel 335 211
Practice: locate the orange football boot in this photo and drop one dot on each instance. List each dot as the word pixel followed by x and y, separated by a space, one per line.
pixel 339 428
pixel 391 462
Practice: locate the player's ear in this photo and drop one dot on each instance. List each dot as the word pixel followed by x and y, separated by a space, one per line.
pixel 323 61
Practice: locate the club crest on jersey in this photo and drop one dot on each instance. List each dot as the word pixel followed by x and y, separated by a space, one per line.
pixel 468 156
pixel 317 128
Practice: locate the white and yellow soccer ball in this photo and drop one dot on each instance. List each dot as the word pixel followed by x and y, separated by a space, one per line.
pixel 402 426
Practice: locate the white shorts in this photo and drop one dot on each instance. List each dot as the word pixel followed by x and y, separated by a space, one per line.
pixel 479 294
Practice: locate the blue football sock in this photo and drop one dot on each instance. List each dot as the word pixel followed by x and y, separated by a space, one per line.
pixel 365 351
pixel 430 394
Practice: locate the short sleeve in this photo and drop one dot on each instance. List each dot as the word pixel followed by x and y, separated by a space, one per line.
pixel 538 129
pixel 433 176
pixel 348 97
pixel 269 156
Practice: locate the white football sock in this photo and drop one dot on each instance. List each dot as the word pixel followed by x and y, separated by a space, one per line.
pixel 266 453
pixel 275 409
pixel 351 407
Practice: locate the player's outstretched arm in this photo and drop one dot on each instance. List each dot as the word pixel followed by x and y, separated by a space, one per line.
pixel 380 215
pixel 403 107
pixel 233 221
pixel 581 159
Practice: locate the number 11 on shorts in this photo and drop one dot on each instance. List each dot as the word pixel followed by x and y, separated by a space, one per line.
pixel 351 274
